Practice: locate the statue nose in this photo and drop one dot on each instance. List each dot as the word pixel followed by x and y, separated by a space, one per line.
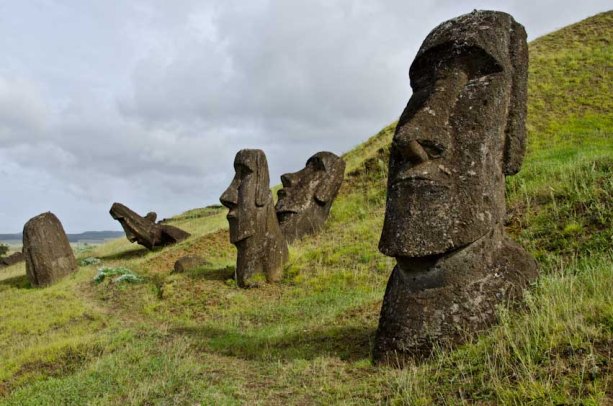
pixel 287 180
pixel 414 152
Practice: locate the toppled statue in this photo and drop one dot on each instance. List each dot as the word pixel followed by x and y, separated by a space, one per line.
pixel 12 259
pixel 254 229
pixel 144 230
pixel 307 195
pixel 47 251
pixel 461 132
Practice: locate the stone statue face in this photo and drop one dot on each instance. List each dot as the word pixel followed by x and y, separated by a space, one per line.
pixel 310 191
pixel 455 140
pixel 247 194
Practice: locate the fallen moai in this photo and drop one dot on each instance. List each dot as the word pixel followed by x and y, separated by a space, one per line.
pixel 254 228
pixel 12 259
pixel 144 230
pixel 307 195
pixel 461 132
pixel 47 251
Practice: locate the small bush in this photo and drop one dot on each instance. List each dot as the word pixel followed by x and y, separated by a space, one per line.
pixel 123 275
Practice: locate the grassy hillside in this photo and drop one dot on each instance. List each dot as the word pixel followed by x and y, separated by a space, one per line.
pixel 196 338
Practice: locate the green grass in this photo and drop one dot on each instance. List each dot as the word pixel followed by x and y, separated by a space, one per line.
pixel 195 338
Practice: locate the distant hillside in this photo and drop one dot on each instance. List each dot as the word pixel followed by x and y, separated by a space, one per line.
pixel 85 236
pixel 571 82
pixel 195 338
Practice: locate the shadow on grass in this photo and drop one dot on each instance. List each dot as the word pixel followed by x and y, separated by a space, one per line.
pixel 128 254
pixel 219 274
pixel 349 343
pixel 17 282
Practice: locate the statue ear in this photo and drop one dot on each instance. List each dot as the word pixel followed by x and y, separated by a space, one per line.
pixel 515 132
pixel 262 188
pixel 328 188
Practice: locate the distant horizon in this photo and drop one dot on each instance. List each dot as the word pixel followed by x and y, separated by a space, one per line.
pixel 8 236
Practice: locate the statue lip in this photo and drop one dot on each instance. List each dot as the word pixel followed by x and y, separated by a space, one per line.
pixel 232 214
pixel 419 179
pixel 426 174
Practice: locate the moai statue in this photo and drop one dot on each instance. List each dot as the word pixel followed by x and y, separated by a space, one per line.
pixel 461 132
pixel 254 229
pixel 307 195
pixel 144 230
pixel 47 251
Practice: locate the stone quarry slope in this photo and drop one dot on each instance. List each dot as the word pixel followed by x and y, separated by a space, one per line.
pixel 195 338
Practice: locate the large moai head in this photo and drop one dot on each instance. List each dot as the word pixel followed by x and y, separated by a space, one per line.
pixel 307 195
pixel 461 132
pixel 253 225
pixel 248 194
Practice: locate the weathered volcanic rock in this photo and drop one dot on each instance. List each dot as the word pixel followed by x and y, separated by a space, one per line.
pixel 189 262
pixel 307 195
pixel 461 132
pixel 47 251
pixel 144 230
pixel 254 228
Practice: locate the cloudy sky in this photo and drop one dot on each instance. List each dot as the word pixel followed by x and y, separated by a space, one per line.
pixel 146 102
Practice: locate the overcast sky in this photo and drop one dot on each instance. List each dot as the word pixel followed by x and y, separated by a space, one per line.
pixel 146 102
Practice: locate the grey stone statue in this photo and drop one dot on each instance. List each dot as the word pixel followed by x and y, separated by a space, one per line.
pixel 307 195
pixel 461 132
pixel 254 229
pixel 144 230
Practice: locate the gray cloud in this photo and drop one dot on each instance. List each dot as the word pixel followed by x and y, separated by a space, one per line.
pixel 146 102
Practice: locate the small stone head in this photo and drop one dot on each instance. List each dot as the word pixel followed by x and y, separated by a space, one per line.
pixel 247 194
pixel 307 195
pixel 461 132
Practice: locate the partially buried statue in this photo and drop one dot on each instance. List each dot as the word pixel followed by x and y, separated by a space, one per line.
pixel 462 131
pixel 144 230
pixel 47 251
pixel 307 195
pixel 253 224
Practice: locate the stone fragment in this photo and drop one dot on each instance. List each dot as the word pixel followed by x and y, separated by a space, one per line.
pixel 189 262
pixel 307 195
pixel 12 259
pixel 47 251
pixel 144 230
pixel 461 132
pixel 254 228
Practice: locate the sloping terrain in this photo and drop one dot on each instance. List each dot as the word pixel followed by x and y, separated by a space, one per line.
pixel 196 338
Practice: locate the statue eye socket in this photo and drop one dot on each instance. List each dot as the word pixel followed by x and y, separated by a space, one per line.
pixel 243 169
pixel 432 148
pixel 317 163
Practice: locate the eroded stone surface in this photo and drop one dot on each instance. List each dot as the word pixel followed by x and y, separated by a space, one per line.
pixel 307 195
pixel 189 262
pixel 47 251
pixel 254 228
pixel 144 230
pixel 462 131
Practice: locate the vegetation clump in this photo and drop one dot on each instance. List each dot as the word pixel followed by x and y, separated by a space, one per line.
pixel 122 275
